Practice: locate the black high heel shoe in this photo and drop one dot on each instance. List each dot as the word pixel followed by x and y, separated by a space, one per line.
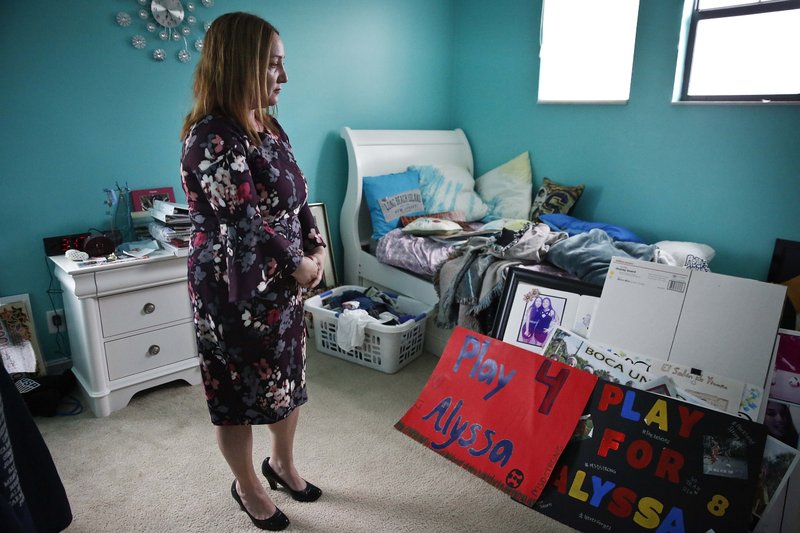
pixel 276 522
pixel 309 494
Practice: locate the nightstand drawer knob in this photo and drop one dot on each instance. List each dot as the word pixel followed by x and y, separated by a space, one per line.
pixel 148 308
pixel 154 349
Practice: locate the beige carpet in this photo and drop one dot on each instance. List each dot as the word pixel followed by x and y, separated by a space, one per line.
pixel 155 466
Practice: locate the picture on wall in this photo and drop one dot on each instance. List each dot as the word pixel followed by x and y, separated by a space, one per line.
pixel 533 304
pixel 328 265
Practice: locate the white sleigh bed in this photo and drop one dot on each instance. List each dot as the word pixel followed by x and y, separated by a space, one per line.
pixel 379 152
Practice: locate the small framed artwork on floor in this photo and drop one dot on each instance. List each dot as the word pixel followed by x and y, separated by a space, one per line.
pixel 19 346
pixel 328 265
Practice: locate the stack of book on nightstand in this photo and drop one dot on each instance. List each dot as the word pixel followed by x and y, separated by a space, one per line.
pixel 170 226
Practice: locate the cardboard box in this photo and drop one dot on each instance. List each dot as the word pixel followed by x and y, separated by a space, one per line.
pixel 724 324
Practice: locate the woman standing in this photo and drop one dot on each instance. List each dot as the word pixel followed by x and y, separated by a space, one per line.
pixel 254 246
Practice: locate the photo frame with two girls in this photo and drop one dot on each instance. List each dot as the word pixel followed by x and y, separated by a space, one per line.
pixel 533 304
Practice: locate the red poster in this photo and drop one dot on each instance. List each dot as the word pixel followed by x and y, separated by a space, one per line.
pixel 499 411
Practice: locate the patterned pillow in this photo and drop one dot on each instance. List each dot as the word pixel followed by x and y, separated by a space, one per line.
pixel 554 198
pixel 691 255
pixel 389 197
pixel 450 188
pixel 507 189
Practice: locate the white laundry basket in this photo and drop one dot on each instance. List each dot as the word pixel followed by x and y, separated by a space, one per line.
pixel 385 348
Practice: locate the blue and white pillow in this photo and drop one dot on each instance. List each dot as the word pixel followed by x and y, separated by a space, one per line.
pixel 389 197
pixel 450 188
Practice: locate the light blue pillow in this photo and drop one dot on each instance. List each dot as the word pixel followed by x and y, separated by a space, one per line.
pixel 574 226
pixel 450 188
pixel 391 196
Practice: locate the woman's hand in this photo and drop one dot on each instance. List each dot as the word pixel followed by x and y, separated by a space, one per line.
pixel 308 273
pixel 318 255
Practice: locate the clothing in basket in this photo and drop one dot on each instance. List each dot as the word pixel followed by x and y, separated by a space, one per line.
pixel 384 347
pixel 356 309
pixel 250 226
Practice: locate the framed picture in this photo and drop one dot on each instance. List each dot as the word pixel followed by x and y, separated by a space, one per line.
pixel 533 304
pixel 142 199
pixel 786 378
pixel 19 346
pixel 328 265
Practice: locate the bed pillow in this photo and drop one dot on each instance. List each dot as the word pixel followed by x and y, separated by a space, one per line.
pixel 450 188
pixel 574 226
pixel 506 190
pixel 405 220
pixel 389 197
pixel 693 255
pixel 554 198
pixel 432 226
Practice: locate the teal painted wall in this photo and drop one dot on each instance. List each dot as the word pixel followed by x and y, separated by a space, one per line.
pixel 725 175
pixel 82 109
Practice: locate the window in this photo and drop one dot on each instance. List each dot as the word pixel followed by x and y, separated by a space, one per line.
pixel 739 51
pixel 586 50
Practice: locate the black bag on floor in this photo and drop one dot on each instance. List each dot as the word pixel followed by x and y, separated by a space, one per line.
pixel 43 394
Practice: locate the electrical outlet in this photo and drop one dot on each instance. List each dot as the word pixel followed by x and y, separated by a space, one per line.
pixel 56 322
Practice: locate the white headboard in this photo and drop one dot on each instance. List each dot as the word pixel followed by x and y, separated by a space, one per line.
pixel 377 152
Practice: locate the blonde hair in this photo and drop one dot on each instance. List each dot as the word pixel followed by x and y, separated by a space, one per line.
pixel 231 75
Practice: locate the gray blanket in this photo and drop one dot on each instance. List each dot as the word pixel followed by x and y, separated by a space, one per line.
pixel 473 276
pixel 588 255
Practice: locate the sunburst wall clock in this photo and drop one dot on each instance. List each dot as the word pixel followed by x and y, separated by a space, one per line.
pixel 170 28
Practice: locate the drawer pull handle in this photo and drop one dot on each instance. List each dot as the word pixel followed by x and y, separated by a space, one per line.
pixel 148 308
pixel 154 349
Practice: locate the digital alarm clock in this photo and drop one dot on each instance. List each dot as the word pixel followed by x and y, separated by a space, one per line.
pixel 95 245
pixel 62 243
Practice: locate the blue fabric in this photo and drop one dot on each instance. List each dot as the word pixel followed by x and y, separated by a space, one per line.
pixel 574 226
pixel 588 255
pixel 377 188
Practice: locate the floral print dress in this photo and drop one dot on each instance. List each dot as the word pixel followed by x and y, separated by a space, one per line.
pixel 251 226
